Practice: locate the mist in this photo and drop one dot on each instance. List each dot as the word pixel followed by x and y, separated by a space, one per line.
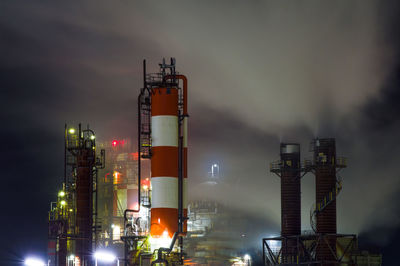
pixel 259 74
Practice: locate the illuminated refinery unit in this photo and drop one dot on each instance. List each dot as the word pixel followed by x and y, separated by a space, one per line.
pixel 73 217
pixel 322 246
pixel 124 202
pixel 132 204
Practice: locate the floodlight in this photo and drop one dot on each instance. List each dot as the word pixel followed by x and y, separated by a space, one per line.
pixel 34 262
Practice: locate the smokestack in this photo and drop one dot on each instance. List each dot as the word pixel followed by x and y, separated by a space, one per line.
pixel 289 169
pixel 325 179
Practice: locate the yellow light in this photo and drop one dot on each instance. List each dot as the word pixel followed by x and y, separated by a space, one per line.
pixel 63 202
pixel 145 187
pixel 71 131
pixel 61 194
pixel 92 137
pixel 71 210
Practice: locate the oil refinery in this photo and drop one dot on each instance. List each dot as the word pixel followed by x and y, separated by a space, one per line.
pixel 124 201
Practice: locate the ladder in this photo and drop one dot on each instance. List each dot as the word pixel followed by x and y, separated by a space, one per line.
pixel 145 124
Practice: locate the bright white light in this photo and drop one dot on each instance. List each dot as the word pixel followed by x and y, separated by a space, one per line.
pixel 34 262
pixel 92 137
pixel 71 131
pixel 274 244
pixel 163 241
pixel 71 257
pixel 247 257
pixel 116 230
pixel 214 170
pixel 104 256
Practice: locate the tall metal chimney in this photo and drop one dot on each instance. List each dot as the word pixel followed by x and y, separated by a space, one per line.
pixel 289 170
pixel 327 187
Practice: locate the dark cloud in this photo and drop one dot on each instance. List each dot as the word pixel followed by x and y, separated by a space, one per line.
pixel 259 74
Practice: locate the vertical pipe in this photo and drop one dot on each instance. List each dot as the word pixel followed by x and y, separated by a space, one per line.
pixel 180 193
pixel 183 119
pixel 144 74
pixel 65 155
pixel 95 211
pixel 180 182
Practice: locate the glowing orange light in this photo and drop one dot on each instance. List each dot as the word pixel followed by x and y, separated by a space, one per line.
pixel 116 177
pixel 135 156
pixel 146 182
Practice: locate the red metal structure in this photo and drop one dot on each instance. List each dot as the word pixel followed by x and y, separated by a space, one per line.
pixel 289 170
pixel 325 179
pixel 84 201
pixel 312 249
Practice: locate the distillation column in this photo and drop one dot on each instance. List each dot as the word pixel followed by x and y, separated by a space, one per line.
pixel 164 161
pixel 84 203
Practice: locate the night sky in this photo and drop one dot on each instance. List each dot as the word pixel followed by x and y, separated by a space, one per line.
pixel 259 73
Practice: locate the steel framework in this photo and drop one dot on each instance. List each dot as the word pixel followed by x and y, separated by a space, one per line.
pixel 307 246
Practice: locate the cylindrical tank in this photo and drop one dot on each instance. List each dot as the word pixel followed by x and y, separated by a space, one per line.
pixel 164 161
pixel 290 198
pixel 325 175
pixel 84 203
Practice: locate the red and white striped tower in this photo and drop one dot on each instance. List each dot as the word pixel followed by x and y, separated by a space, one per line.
pixel 164 161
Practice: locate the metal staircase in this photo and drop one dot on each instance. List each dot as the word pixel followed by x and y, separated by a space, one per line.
pixel 320 206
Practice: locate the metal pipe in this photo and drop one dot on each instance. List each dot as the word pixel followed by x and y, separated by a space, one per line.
pixel 180 190
pixel 65 156
pixel 181 164
pixel 95 215
pixel 185 90
pixel 144 74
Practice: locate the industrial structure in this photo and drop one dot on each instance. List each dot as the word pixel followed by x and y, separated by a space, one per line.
pixel 323 246
pixel 162 138
pixel 289 170
pixel 73 218
pixel 135 202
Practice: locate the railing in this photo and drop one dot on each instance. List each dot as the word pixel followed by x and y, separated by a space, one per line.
pixel 303 249
pixel 275 166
